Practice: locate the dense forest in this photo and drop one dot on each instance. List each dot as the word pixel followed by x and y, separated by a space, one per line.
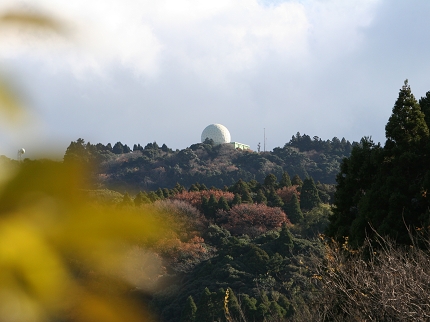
pixel 151 167
pixel 236 248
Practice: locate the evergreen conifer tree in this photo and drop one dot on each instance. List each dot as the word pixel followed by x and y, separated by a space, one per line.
pixel 126 200
pixel 234 310
pixel 285 181
pixel 180 188
pixel 246 197
pixel 406 125
pixel 296 181
pixel 205 308
pixel 309 195
pixel 193 187
pixel 189 311
pixel 425 108
pixel 237 200
pixel 273 200
pixel 293 211
pixel 159 193
pixel 261 198
pixel 240 187
pixel 118 148
pixel 205 202
pixel 271 181
pixel 212 206
pixel 141 199
pixel 223 204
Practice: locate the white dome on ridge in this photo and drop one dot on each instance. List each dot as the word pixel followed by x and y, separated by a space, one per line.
pixel 216 132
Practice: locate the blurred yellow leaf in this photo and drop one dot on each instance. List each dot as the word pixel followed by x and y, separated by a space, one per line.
pixel 59 252
pixel 31 20
pixel 9 100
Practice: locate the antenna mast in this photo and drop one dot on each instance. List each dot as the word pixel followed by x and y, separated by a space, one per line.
pixel 264 142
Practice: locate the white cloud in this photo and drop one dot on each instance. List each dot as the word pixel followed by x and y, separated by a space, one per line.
pixel 209 38
pixel 321 67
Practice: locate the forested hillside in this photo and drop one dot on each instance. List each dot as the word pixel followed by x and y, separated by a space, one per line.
pixel 245 249
pixel 152 167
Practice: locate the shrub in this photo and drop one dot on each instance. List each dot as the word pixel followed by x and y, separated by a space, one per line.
pixel 251 219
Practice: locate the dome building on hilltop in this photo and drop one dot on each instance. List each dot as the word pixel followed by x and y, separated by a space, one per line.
pixel 221 135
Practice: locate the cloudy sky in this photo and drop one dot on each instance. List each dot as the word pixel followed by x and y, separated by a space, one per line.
pixel 139 71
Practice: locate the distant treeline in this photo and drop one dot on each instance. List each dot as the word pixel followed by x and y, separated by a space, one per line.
pixel 151 167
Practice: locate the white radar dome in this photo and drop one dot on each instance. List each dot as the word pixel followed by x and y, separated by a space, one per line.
pixel 216 132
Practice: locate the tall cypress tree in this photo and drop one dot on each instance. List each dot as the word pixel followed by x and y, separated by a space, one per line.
pixel 404 168
pixel 271 181
pixel 205 308
pixel 273 200
pixel 357 174
pixel 189 311
pixel 425 107
pixel 223 204
pixel 293 211
pixel 296 181
pixel 406 126
pixel 309 195
pixel 285 181
pixel 212 206
pixel 261 198
pixel 382 189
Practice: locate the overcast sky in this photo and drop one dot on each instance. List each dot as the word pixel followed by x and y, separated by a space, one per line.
pixel 139 71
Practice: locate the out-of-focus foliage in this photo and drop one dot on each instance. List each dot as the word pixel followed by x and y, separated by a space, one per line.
pixel 62 256
pixel 31 20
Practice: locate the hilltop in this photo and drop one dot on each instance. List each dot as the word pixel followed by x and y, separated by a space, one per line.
pixel 152 167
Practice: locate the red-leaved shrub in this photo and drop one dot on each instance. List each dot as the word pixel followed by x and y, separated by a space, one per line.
pixel 286 193
pixel 251 219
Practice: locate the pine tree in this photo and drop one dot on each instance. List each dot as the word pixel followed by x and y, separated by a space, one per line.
pixel 271 181
pixel 284 244
pixel 118 148
pixel 126 200
pixel 425 108
pixel 223 204
pixel 296 181
pixel 357 174
pixel 212 206
pixel 293 211
pixel 234 310
pixel 180 188
pixel 261 198
pixel 141 199
pixel 205 202
pixel 189 312
pixel 237 200
pixel 160 194
pixel 285 181
pixel 240 187
pixel 406 125
pixel 246 197
pixel 205 308
pixel 193 187
pixel 273 200
pixel 309 195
